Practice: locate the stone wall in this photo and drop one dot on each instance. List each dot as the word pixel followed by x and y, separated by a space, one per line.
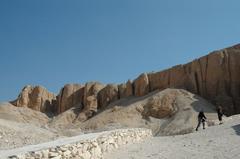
pixel 93 148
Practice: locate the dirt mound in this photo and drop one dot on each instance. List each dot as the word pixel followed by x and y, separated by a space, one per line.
pixel 65 119
pixel 167 112
pixel 63 124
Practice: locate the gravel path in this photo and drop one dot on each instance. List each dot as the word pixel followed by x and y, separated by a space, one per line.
pixel 217 142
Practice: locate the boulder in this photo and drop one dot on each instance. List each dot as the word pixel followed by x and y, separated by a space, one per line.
pixel 37 98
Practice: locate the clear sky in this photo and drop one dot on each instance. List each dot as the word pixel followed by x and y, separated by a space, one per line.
pixel 54 42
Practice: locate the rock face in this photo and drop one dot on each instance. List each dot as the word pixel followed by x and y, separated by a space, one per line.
pixel 90 101
pixel 36 98
pixel 69 96
pixel 141 85
pixel 215 77
pixel 125 89
pixel 107 95
pixel 163 106
pixel 90 94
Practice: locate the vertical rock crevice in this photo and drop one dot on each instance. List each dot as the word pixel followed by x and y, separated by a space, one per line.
pixel 201 77
pixel 196 82
pixel 205 80
pixel 230 74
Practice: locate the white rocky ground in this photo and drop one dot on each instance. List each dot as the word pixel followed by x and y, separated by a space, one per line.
pixel 87 146
pixel 216 142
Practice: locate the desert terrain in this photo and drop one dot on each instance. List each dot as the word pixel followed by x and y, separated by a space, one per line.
pixel 219 141
pixel 166 103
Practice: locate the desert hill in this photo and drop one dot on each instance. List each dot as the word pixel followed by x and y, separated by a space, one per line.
pixel 22 126
pixel 167 112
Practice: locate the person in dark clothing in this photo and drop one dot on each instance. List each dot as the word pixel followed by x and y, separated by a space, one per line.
pixel 220 114
pixel 201 119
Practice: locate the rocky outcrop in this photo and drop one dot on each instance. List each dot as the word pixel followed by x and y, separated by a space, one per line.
pixel 163 106
pixel 107 95
pixel 69 96
pixel 141 85
pixel 125 89
pixel 90 101
pixel 215 77
pixel 90 94
pixel 36 98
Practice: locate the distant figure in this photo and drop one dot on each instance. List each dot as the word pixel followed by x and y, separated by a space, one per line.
pixel 220 114
pixel 201 119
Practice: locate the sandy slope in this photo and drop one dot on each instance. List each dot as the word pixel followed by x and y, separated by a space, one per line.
pixel 22 126
pixel 129 113
pixel 22 115
pixel 216 142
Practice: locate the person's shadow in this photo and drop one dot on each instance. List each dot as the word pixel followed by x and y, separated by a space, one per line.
pixel 237 129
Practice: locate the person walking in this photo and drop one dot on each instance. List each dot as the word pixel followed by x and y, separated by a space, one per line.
pixel 220 114
pixel 201 119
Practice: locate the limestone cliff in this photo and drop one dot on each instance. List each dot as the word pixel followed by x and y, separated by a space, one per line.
pixel 36 98
pixel 69 96
pixel 216 77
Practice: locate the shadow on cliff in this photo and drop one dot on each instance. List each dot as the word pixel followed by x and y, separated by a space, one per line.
pixel 202 104
pixel 76 105
pixel 124 102
pixel 236 128
pixel 198 104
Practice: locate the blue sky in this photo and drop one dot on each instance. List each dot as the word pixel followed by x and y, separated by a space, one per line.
pixel 54 42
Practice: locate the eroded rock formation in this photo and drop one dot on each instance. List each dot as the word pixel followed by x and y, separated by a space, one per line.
pixel 107 95
pixel 90 101
pixel 215 77
pixel 36 98
pixel 69 96
pixel 163 106
pixel 125 89
pixel 141 85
